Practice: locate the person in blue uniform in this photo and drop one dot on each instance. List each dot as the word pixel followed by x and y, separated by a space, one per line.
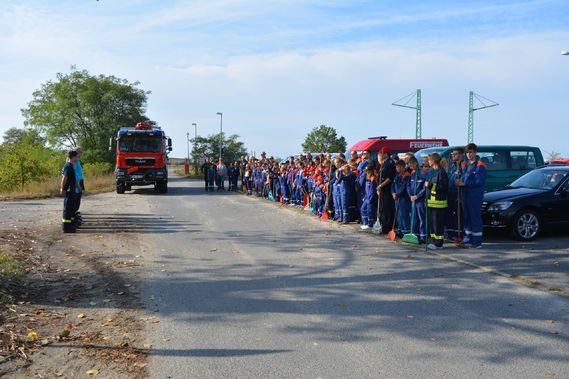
pixel 455 172
pixel 69 189
pixel 77 219
pixel 347 186
pixel 416 191
pixel 472 184
pixel 336 192
pixel 437 190
pixel 368 210
pixel 402 200
pixel 319 196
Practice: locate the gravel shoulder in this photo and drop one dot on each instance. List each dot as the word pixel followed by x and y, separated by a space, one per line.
pixel 77 312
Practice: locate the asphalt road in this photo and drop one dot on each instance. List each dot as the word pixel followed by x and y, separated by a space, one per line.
pixel 242 288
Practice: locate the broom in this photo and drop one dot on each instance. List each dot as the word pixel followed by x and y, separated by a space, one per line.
pixel 458 242
pixel 377 228
pixel 412 237
pixel 392 235
pixel 326 204
pixel 427 219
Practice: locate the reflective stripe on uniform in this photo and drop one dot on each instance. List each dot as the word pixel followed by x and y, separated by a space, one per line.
pixel 437 237
pixel 437 203
pixel 65 221
pixel 477 234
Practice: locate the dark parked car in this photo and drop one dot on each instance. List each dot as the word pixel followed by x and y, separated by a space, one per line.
pixel 537 200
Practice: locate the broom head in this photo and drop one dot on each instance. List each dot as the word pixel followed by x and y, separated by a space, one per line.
pixel 411 238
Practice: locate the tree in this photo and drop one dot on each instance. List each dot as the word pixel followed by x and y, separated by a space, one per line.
pixel 232 148
pixel 324 139
pixel 15 136
pixel 79 109
pixel 27 161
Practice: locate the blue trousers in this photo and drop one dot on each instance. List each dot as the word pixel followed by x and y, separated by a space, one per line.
pixel 403 216
pixel 337 202
pixel 472 209
pixel 368 211
pixel 420 220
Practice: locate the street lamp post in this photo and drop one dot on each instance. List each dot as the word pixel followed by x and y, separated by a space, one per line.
pixel 195 144
pixel 220 133
pixel 188 141
pixel 187 165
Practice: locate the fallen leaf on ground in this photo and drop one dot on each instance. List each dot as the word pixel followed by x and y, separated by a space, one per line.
pixel 92 372
pixel 147 346
pixel 32 336
pixel 81 315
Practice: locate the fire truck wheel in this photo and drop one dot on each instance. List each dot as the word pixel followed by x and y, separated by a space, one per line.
pixel 120 187
pixel 161 187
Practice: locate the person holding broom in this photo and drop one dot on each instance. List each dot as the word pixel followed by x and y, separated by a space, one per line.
pixel 437 192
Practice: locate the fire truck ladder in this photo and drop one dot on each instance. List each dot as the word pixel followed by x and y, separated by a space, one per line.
pixel 404 102
pixel 484 103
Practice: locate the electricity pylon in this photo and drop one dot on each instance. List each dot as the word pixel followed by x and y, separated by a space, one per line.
pixel 485 103
pixel 403 102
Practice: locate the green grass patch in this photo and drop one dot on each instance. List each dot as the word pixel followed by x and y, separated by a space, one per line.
pixel 10 267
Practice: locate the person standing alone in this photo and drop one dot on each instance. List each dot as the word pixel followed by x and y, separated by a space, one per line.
pixel 69 189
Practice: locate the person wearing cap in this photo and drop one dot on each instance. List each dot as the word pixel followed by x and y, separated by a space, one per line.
pixel 386 177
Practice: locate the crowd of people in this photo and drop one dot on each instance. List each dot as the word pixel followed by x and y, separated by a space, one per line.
pixel 433 200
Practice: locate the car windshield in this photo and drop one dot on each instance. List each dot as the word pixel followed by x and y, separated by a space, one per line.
pixel 421 155
pixel 140 144
pixel 540 179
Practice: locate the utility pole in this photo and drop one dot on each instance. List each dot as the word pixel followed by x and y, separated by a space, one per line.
pixel 485 103
pixel 220 133
pixel 404 103
pixel 188 141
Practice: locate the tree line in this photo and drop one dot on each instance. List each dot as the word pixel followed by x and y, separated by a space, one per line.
pixel 80 109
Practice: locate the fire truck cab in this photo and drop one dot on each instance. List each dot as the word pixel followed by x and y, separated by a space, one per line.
pixel 142 157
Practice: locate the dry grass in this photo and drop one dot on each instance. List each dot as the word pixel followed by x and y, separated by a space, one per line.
pixel 50 188
pixel 179 170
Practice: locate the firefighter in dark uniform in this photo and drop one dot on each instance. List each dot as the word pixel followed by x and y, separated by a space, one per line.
pixel 205 170
pixel 69 189
pixel 387 204
pixel 453 225
pixel 437 201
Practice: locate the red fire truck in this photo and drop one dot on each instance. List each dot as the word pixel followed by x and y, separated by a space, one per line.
pixel 142 157
pixel 374 144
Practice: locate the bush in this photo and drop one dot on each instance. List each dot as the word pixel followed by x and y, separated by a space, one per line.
pixel 23 163
pixel 98 169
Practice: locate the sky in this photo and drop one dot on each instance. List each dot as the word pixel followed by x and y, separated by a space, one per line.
pixel 276 69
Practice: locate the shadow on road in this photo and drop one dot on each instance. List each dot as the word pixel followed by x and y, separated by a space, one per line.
pixel 134 223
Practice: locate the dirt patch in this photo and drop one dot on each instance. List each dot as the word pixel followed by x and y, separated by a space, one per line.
pixel 77 310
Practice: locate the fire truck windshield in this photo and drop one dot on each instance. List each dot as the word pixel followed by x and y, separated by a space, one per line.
pixel 140 144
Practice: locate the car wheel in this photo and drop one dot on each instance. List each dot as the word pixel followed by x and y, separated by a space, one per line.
pixel 120 188
pixel 526 225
